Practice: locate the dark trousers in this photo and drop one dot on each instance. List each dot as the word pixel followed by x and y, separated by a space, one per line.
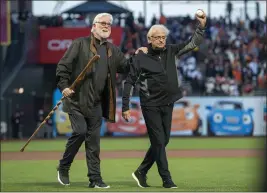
pixel 158 122
pixel 85 130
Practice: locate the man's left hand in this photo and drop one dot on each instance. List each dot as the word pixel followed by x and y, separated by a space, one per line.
pixel 202 20
pixel 143 49
pixel 126 115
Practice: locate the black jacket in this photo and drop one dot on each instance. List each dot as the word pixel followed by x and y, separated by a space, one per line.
pixel 73 62
pixel 157 74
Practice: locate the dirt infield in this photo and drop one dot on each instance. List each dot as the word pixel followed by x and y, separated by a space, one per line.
pixel 133 154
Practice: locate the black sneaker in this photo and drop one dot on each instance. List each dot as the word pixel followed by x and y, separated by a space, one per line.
pixel 169 184
pixel 140 179
pixel 98 184
pixel 63 176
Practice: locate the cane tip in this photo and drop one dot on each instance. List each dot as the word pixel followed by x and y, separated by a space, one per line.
pixel 22 150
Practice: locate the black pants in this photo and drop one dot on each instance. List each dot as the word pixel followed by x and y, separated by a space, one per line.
pixel 85 130
pixel 158 122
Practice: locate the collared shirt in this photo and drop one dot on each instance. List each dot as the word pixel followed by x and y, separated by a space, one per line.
pixel 101 68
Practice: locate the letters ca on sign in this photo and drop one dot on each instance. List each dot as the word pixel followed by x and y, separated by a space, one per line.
pixel 58 45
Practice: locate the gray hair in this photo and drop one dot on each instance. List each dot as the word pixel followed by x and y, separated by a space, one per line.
pixel 98 16
pixel 156 27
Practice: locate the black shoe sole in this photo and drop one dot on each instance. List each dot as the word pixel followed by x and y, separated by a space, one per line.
pixel 171 187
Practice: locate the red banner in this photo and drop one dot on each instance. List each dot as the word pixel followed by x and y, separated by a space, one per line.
pixel 5 22
pixel 55 41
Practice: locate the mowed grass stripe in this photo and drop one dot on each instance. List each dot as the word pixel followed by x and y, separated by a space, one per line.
pixel 190 174
pixel 111 144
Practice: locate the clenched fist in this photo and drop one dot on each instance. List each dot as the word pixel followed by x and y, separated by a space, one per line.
pixel 202 18
pixel 67 92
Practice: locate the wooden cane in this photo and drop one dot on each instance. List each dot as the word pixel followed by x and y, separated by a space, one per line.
pixel 72 87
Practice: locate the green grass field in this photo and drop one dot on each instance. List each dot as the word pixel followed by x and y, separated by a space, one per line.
pixel 209 174
pixel 190 174
pixel 142 144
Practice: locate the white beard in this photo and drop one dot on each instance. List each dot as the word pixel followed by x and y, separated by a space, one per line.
pixel 102 34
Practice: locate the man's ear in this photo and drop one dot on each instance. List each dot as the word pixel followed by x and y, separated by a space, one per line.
pixel 149 40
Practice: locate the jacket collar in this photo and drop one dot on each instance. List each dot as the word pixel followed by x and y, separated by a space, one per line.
pixel 155 51
pixel 93 43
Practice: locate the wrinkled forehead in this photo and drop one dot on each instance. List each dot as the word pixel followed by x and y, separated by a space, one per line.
pixel 159 32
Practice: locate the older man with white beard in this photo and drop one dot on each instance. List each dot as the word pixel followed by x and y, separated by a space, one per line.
pixel 93 99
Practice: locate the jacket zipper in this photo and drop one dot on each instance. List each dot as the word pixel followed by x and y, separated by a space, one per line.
pixel 109 76
pixel 137 78
pixel 160 56
pixel 138 75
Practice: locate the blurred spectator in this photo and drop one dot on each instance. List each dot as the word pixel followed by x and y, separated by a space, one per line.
pixel 154 20
pixel 262 78
pixel 162 19
pixel 231 60
pixel 141 19
pixel 15 27
pixel 129 22
pixel 131 30
pixel 46 131
pixel 16 122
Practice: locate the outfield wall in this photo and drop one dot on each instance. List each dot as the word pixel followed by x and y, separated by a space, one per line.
pixel 192 116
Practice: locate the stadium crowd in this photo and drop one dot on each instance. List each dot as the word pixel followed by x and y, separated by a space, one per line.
pixel 229 62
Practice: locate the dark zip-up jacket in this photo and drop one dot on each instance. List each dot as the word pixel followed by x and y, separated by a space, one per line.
pixel 73 62
pixel 157 74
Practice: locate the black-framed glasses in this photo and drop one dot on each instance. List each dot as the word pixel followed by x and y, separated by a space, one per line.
pixel 104 23
pixel 159 37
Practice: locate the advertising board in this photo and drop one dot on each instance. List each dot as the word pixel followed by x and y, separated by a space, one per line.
pixel 192 116
pixel 54 41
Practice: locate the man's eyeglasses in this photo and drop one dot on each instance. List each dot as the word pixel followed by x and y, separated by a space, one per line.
pixel 104 24
pixel 159 37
